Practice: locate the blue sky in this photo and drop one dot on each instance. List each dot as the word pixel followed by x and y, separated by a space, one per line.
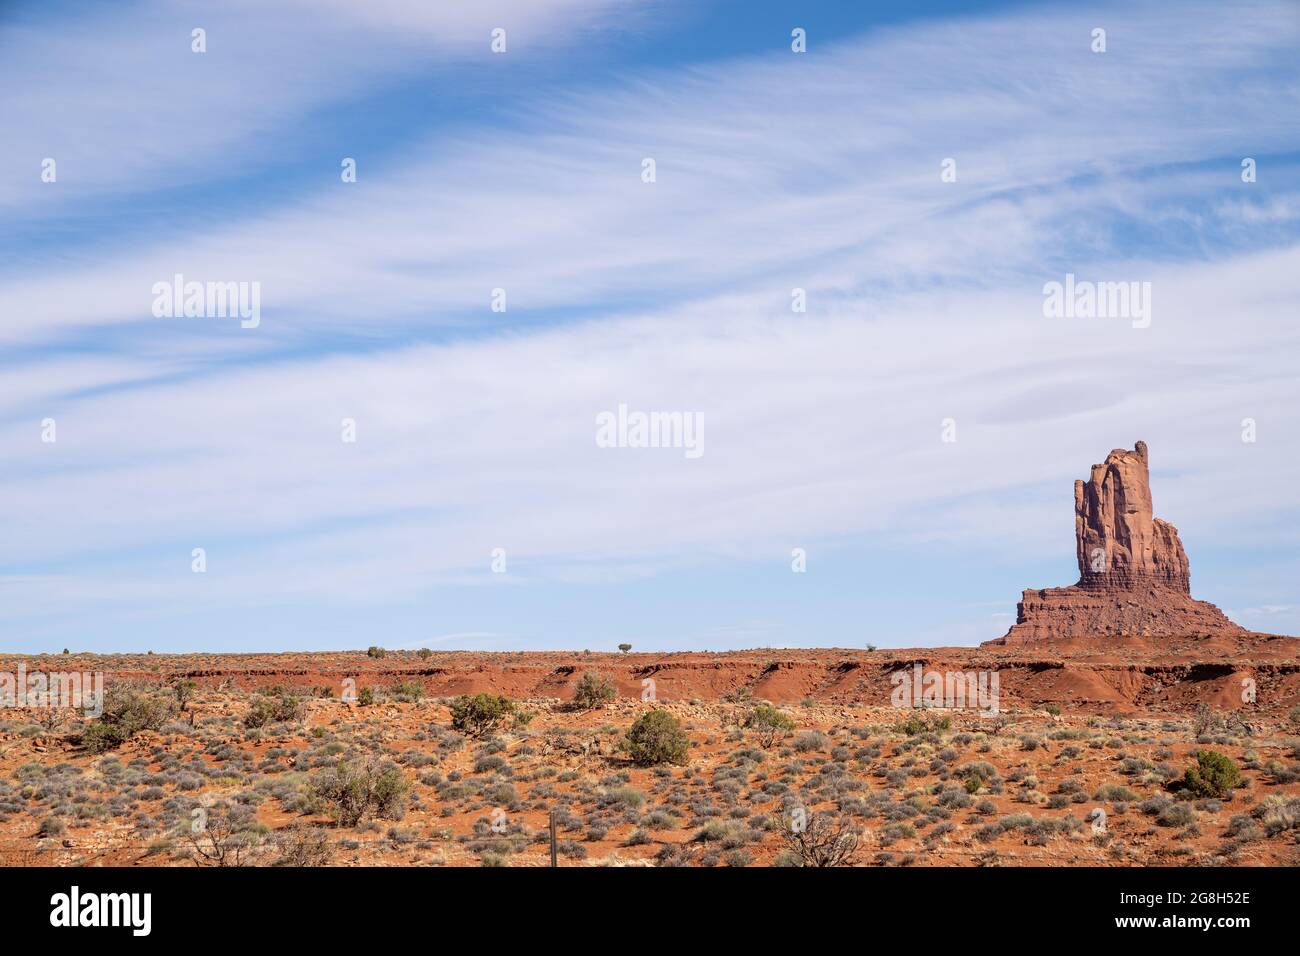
pixel 775 170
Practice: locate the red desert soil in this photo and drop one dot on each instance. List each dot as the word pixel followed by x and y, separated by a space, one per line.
pixel 1082 725
pixel 1118 675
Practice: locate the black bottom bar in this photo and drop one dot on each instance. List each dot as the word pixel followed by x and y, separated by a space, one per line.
pixel 331 905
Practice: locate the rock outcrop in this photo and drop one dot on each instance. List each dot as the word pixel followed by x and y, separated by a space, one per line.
pixel 1134 577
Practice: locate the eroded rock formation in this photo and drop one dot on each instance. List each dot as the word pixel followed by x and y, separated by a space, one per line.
pixel 1134 578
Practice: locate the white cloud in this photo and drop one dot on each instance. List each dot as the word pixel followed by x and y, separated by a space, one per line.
pixel 822 429
pixel 470 446
pixel 121 102
pixel 817 172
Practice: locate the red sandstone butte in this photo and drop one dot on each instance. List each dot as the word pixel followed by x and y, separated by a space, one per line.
pixel 1134 579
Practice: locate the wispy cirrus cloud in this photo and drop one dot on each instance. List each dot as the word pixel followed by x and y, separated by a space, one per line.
pixel 475 429
pixel 817 171
pixel 124 105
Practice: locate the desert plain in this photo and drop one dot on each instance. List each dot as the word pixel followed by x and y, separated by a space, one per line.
pixel 355 759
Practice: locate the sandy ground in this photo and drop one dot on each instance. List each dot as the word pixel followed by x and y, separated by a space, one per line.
pixel 1080 727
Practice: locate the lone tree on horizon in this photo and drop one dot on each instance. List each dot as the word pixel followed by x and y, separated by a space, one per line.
pixel 625 647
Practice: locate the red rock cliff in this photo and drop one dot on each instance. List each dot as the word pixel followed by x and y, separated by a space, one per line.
pixel 1119 541
pixel 1134 576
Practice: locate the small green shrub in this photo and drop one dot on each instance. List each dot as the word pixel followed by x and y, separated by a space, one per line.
pixel 915 724
pixel 1115 792
pixel 769 724
pixel 810 741
pixel 1215 775
pixel 184 690
pixel 352 791
pixel 99 737
pixel 657 737
pixel 273 710
pixel 628 798
pixel 593 690
pixel 126 712
pixel 480 714
pixel 408 691
pixel 1176 815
